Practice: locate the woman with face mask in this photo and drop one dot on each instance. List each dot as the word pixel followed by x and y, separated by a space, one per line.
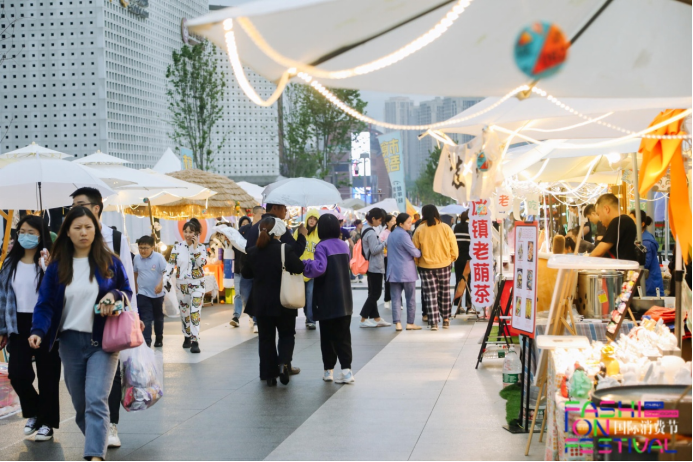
pixel 82 287
pixel 20 279
pixel 188 259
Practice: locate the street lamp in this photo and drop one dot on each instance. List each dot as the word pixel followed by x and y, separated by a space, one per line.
pixel 364 156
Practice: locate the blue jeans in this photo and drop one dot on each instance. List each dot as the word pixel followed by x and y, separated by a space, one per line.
pixel 89 375
pixel 242 288
pixel 409 289
pixel 308 310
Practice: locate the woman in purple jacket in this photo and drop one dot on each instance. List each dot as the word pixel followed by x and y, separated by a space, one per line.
pixel 332 303
pixel 401 271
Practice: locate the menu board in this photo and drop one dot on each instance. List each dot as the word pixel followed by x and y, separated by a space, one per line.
pixel 622 303
pixel 525 281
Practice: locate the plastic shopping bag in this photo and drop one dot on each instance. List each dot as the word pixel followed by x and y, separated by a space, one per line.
pixel 9 401
pixel 143 377
pixel 171 301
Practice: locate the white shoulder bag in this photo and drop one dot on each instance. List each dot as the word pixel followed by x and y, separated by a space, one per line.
pixel 293 289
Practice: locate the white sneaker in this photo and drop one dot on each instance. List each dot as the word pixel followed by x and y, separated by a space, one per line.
pixel 388 305
pixel 113 440
pixel 368 323
pixel 382 323
pixel 254 328
pixel 328 376
pixel 347 377
pixel 30 427
pixel 45 433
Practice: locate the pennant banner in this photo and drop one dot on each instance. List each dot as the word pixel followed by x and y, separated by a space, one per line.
pixel 481 252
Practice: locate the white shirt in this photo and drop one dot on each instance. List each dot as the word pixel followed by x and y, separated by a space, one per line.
pixel 80 298
pixel 24 287
pixel 107 233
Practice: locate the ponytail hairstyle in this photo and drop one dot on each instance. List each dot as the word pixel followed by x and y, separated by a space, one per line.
pixel 194 225
pixel 375 214
pixel 266 225
pixel 401 219
pixel 645 221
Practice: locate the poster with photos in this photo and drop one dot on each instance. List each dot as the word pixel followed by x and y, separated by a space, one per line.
pixel 525 287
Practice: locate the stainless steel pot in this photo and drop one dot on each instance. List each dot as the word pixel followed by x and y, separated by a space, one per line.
pixel 596 292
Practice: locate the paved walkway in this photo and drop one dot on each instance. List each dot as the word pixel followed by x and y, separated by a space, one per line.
pixel 416 397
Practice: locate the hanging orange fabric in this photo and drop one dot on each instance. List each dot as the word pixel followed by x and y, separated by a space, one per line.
pixel 659 155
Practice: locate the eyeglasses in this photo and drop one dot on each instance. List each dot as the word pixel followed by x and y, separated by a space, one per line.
pixel 81 204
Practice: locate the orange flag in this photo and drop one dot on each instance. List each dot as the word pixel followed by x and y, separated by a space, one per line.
pixel 658 156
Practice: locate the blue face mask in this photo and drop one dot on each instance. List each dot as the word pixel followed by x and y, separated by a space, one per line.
pixel 28 241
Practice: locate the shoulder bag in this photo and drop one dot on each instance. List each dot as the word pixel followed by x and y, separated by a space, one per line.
pixel 293 289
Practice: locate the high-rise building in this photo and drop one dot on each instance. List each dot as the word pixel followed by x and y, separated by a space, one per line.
pixel 87 75
pixel 251 151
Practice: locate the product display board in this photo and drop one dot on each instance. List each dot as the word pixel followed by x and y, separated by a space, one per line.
pixel 481 252
pixel 525 281
pixel 622 304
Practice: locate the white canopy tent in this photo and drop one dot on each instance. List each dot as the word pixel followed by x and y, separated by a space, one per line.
pixel 612 58
pixel 168 163
pixel 389 205
pixel 34 150
pixel 252 189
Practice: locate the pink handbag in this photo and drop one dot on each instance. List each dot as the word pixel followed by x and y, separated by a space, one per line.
pixel 122 332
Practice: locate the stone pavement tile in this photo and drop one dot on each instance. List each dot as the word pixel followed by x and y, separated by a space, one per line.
pixel 31 451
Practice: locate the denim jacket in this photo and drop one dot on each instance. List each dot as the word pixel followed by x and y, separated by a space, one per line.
pixel 51 301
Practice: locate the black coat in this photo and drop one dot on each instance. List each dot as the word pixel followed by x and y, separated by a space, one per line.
pixel 264 267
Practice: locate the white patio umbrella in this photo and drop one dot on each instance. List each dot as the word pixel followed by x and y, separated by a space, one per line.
pixel 621 49
pixel 34 150
pixel 301 192
pixel 389 205
pixel 454 209
pixel 41 183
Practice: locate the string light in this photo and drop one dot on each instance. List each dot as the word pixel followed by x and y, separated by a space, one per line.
pixel 239 72
pixel 407 50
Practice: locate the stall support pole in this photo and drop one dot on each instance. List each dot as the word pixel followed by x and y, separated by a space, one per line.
pixel 667 244
pixel 678 274
pixel 534 419
pixel 638 220
pixel 8 230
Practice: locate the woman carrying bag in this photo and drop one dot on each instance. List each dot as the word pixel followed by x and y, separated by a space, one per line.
pixel 20 279
pixel 333 305
pixel 401 273
pixel 373 249
pixel 83 277
pixel 264 267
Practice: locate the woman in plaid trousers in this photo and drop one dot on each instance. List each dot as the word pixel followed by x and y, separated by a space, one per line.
pixel 438 247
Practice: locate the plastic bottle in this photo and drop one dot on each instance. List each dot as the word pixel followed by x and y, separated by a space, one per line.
pixel 512 368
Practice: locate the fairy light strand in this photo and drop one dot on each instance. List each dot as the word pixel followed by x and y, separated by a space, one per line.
pixel 407 50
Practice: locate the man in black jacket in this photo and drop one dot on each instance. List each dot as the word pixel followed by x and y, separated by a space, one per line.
pixel 298 246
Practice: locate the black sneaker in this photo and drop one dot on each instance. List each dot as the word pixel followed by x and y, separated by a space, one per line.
pixel 195 347
pixel 310 325
pixel 186 342
pixel 45 433
pixel 159 342
pixel 234 322
pixel 31 426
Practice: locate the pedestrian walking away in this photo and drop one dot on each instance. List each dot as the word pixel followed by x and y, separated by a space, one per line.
pixel 188 259
pixel 78 293
pixel 332 301
pixel 117 243
pixel 312 241
pixel 150 267
pixel 401 271
pixel 438 251
pixel 461 231
pixel 264 267
pixel 373 249
pixel 298 244
pixel 20 279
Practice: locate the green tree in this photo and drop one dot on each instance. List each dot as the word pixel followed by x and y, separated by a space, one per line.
pixel 424 184
pixel 195 97
pixel 315 131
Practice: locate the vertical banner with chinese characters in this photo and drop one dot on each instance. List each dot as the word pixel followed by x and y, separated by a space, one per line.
pixel 532 204
pixel 525 282
pixel 504 203
pixel 481 253
pixel 391 146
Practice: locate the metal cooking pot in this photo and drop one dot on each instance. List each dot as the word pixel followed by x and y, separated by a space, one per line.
pixel 596 292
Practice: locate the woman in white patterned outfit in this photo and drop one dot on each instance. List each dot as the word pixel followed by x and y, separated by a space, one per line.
pixel 188 259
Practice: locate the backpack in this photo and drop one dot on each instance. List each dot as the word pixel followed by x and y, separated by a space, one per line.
pixel 359 261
